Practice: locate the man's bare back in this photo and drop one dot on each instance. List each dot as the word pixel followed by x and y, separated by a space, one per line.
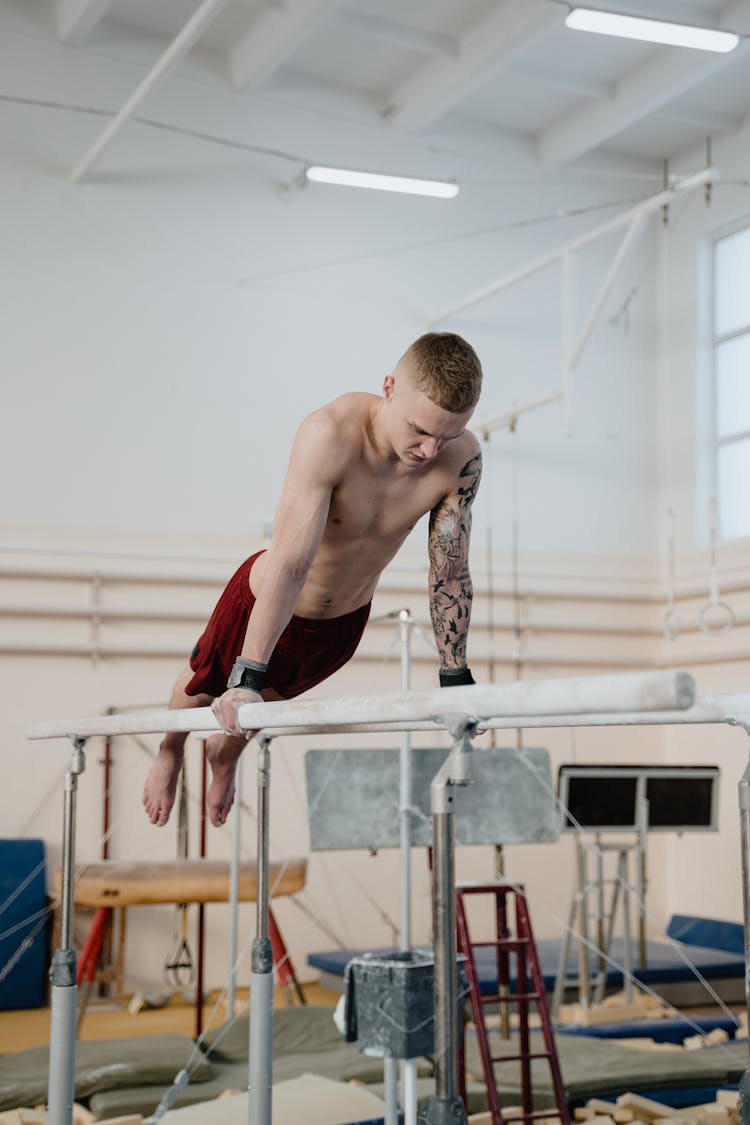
pixel 362 471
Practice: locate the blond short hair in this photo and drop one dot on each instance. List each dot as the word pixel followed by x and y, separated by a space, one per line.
pixel 447 370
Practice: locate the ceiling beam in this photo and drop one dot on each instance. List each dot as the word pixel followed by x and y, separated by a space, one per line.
pixel 710 121
pixel 488 45
pixel 596 89
pixel 398 33
pixel 175 52
pixel 76 19
pixel 646 90
pixel 274 36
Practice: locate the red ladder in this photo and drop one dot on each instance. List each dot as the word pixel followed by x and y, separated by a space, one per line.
pixel 514 936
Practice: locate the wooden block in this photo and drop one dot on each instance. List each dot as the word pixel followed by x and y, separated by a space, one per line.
pixel 623 1115
pixel 11 1117
pixel 599 1105
pixel 716 1114
pixel 693 1042
pixel 81 1115
pixel 645 1107
pixel 647 1044
pixel 136 1003
pixel 599 1013
pixel 480 1119
pixel 718 1035
pixel 38 1116
pixel 583 1113
pixel 129 1119
pixel 728 1098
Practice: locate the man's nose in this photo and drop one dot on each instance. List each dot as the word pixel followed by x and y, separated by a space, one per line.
pixel 430 447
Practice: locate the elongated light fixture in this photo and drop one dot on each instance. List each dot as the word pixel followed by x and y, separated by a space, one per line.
pixel 440 189
pixel 652 31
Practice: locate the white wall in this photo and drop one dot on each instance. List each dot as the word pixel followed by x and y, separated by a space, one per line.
pixel 171 320
pixel 168 323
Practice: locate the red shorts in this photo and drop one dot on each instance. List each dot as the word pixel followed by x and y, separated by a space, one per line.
pixel 307 652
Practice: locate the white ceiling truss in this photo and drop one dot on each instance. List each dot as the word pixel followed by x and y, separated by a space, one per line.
pixel 273 39
pixel 512 64
pixel 575 339
pixel 76 19
pixel 486 47
pixel 648 88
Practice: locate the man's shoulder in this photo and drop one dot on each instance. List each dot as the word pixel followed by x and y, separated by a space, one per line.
pixel 345 417
pixel 354 405
pixel 461 465
pixel 467 454
pixel 337 427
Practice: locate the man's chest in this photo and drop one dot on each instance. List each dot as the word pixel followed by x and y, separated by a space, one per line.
pixel 367 507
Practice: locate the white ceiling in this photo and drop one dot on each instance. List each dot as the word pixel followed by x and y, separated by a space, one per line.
pixel 510 66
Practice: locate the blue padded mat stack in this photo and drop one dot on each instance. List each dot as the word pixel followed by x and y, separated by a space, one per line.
pixel 21 913
pixel 664 963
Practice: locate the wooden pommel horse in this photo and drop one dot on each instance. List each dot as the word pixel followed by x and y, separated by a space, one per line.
pixel 115 885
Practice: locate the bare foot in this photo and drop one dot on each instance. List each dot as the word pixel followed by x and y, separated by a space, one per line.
pixel 222 751
pixel 161 782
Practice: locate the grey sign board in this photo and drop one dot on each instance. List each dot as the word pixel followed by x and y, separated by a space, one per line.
pixel 353 798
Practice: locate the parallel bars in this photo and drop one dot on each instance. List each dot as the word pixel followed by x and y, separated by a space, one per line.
pixel 632 699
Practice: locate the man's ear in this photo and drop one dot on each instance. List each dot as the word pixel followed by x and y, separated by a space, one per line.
pixel 388 385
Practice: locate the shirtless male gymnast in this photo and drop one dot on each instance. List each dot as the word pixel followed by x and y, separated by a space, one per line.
pixel 362 471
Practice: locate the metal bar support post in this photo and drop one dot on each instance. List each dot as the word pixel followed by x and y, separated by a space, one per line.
pixel 261 976
pixel 744 801
pixel 64 991
pixel 447 1107
pixel 642 881
pixel 406 802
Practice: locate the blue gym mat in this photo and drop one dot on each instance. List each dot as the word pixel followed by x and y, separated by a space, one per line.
pixel 663 960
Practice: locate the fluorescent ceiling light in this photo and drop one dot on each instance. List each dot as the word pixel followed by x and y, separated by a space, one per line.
pixel 344 176
pixel 653 31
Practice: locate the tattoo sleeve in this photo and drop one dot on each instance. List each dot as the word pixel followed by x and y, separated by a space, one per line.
pixel 451 590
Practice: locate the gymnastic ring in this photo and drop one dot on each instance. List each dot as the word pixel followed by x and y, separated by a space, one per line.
pixel 723 626
pixel 672 623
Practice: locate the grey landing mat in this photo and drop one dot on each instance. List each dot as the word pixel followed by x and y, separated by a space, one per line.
pixel 598 1067
pixel 305 1041
pixel 102 1065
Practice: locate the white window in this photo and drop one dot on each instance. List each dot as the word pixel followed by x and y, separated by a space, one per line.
pixel 732 382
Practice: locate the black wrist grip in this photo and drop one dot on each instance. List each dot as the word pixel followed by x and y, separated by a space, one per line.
pixel 456 677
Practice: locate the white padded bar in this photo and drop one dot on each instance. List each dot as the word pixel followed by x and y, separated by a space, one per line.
pixel 723 708
pixel 573 696
pixel 654 691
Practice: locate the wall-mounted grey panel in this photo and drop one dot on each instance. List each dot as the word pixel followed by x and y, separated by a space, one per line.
pixel 353 798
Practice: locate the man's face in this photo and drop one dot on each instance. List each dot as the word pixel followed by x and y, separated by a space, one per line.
pixel 418 429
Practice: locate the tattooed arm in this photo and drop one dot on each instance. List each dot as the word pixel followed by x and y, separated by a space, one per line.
pixel 450 582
